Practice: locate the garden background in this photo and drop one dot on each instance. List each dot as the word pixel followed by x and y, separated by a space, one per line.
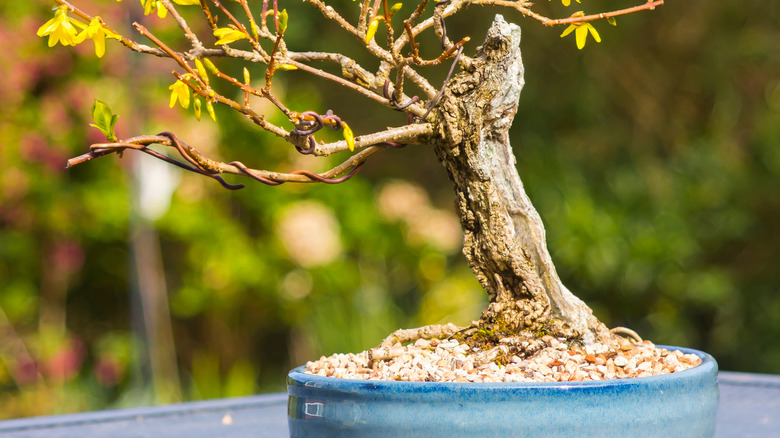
pixel 653 158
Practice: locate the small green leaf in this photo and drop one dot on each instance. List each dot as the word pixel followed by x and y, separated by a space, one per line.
pixel 283 21
pixel 612 21
pixel 104 119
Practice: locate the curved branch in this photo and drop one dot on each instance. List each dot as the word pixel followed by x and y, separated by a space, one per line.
pixel 198 163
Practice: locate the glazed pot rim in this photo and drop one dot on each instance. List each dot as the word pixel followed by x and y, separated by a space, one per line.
pixel 707 365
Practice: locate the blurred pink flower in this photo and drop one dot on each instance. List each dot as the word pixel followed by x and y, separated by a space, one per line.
pixel 65 364
pixel 36 150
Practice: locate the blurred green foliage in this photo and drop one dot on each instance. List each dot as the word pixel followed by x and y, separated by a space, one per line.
pixel 653 158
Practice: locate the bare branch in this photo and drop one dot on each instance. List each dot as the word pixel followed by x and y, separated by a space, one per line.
pixel 392 64
pixel 404 134
pixel 352 86
pixel 199 163
pixel 649 6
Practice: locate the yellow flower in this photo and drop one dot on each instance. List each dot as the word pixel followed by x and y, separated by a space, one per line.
pixel 187 2
pixel 151 5
pixel 181 92
pixel 97 33
pixel 61 29
pixel 348 136
pixel 568 2
pixel 581 33
pixel 227 35
pixel 372 27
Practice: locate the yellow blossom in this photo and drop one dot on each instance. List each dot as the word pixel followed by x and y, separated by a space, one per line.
pixel 201 70
pixel 395 8
pixel 97 33
pixel 581 33
pixel 61 29
pixel 227 35
pixel 151 5
pixel 348 136
pixel 372 28
pixel 181 92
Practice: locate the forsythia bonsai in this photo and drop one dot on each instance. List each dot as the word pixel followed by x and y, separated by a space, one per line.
pixel 465 119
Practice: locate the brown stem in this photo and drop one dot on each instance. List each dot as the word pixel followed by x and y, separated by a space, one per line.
pixel 649 6
pixel 199 163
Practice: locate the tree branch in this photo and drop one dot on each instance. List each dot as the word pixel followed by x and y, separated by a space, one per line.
pixel 406 134
pixel 198 163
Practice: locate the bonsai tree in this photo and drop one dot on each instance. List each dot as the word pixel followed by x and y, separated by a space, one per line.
pixel 465 119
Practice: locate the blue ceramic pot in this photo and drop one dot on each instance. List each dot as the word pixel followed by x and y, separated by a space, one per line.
pixel 678 405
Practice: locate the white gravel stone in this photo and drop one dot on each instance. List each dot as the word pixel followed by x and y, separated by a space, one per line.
pixel 451 361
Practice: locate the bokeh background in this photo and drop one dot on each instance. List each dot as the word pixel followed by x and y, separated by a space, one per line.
pixel 653 158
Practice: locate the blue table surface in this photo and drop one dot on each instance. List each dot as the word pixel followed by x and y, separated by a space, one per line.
pixel 749 407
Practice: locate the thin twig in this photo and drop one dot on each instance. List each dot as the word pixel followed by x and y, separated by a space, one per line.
pixel 194 41
pixel 447 79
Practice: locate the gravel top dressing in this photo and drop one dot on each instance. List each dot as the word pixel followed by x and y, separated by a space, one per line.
pixel 554 360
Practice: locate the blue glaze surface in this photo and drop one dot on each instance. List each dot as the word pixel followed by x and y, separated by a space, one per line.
pixel 680 404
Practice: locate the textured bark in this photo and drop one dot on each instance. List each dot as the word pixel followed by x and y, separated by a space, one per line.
pixel 504 236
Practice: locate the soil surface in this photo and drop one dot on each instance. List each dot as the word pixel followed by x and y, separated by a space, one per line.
pixel 551 360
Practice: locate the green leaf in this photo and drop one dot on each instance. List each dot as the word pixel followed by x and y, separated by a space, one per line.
pixel 611 20
pixel 104 118
pixel 283 21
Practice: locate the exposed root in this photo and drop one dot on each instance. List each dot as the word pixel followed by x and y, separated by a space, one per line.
pixel 402 336
pixel 628 332
pixel 391 346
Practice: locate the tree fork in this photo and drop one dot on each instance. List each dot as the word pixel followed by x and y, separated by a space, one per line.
pixel 504 238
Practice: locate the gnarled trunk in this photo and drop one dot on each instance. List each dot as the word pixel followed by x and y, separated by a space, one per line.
pixel 504 236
